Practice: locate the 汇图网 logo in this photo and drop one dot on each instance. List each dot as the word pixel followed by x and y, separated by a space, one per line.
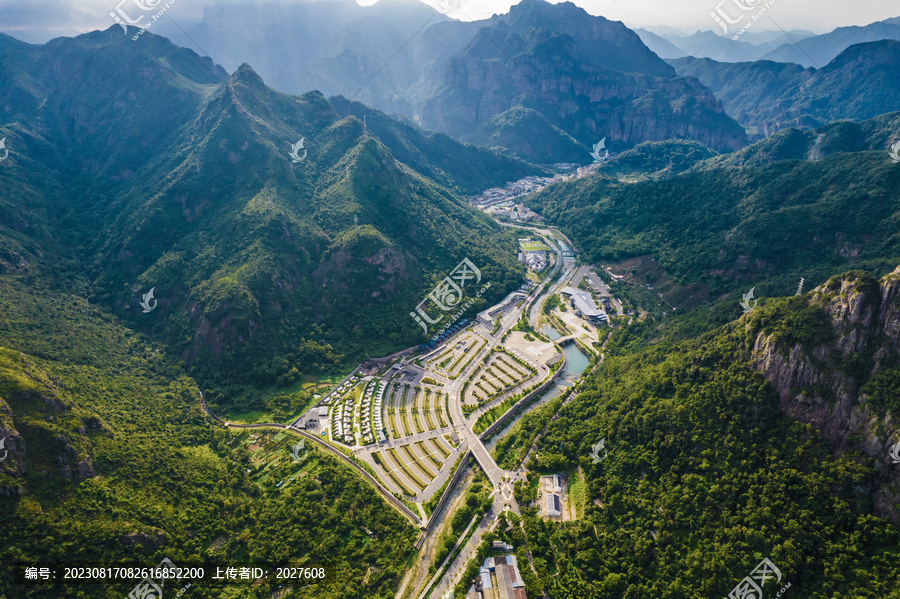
pixel 600 145
pixel 121 17
pixel 751 587
pixel 5 151
pixel 145 303
pixel 895 152
pixel 745 303
pixel 295 151
pixel 595 451
pixel 894 453
pixel 724 20
pixel 152 586
pixel 296 449
pixel 448 293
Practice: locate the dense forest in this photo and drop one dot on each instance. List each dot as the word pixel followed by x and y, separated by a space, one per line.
pixel 111 460
pixel 705 476
pixel 799 204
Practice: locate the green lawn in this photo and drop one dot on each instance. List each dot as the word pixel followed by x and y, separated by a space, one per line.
pixel 249 417
pixel 534 246
pixel 576 493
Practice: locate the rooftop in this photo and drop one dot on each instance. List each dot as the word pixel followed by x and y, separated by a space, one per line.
pixel 583 302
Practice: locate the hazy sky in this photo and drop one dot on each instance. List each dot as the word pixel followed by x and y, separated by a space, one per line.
pixel 36 19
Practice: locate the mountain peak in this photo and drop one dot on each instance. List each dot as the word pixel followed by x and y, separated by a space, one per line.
pixel 247 76
pixel 885 52
pixel 607 43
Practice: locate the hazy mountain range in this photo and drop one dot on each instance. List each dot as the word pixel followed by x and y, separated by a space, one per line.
pixel 710 44
pixel 766 96
pixel 471 80
pixel 796 46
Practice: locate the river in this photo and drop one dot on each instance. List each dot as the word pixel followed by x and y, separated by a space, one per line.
pixel 576 363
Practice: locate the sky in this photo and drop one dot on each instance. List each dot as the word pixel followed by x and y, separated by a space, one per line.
pixel 39 20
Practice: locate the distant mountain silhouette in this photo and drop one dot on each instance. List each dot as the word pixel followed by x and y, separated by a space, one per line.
pixel 819 50
pixel 710 44
pixel 766 96
pixel 404 58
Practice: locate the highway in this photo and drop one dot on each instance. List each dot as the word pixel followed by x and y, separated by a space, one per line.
pixel 501 479
pixel 564 271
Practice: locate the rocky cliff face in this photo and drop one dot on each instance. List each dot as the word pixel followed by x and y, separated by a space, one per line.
pixel 826 385
pixel 577 85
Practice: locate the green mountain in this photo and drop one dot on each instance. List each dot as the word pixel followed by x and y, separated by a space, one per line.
pixel 821 49
pixel 748 442
pixel 135 165
pixel 768 96
pixel 800 204
pixel 182 182
pixel 545 82
pixel 110 460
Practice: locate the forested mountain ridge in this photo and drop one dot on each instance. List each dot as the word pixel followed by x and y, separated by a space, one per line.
pixel 833 357
pixel 766 96
pixel 255 259
pixel 800 204
pixel 111 459
pixel 705 475
pixel 478 81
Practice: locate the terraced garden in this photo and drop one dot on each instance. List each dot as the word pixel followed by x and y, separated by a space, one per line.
pixel 411 467
pixel 502 374
pixel 450 362
pixel 388 462
pixel 412 410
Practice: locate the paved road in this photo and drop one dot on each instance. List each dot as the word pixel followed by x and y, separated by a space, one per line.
pixel 502 480
pixel 603 289
pixel 458 567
